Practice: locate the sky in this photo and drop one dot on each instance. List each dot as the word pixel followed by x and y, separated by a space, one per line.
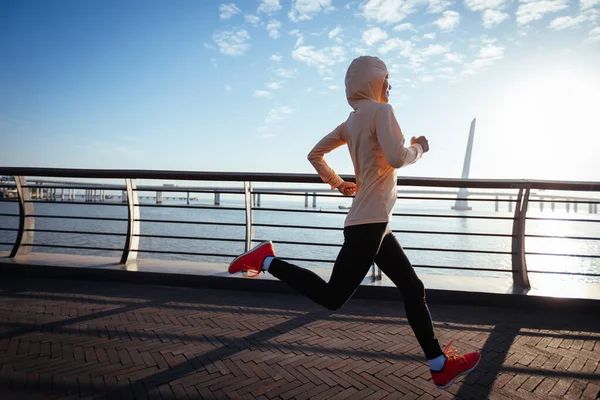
pixel 252 85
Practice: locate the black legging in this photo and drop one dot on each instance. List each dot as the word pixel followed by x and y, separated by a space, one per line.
pixel 363 245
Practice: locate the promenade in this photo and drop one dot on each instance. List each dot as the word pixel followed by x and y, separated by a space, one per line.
pixel 96 339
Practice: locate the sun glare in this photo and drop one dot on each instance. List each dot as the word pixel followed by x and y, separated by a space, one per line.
pixel 545 113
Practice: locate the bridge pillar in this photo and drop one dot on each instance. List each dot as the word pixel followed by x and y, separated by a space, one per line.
pixel 314 200
pixel 595 208
pixel 159 197
pixel 552 205
pixel 258 199
pixel 306 199
pixel 541 206
pixel 124 196
pixel 188 198
pixel 496 203
pixel 574 207
pixel 510 205
pixel 568 206
pixel 217 199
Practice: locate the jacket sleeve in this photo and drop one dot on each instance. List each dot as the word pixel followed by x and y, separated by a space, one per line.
pixel 391 139
pixel 317 156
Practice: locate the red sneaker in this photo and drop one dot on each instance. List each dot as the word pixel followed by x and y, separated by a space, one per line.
pixel 454 367
pixel 251 261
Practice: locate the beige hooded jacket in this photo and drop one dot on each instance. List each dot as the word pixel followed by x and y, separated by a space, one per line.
pixel 375 142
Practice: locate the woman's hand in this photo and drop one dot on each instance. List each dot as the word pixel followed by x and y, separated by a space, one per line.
pixel 347 188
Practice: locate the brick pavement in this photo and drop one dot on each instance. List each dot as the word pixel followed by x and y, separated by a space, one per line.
pixel 84 339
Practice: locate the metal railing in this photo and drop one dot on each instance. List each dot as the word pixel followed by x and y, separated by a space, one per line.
pixel 27 194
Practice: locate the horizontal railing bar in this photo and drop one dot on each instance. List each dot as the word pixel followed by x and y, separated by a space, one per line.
pixel 297 210
pixel 185 253
pixel 450 216
pixel 301 243
pixel 74 232
pixel 464 268
pixel 289 178
pixel 15 200
pixel 563 237
pixel 78 186
pixel 6 244
pixel 60 246
pixel 189 222
pixel 190 206
pixel 10 229
pixel 564 273
pixel 562 219
pixel 563 255
pixel 85 203
pixel 8 185
pixel 507 235
pixel 190 238
pixel 77 217
pixel 458 250
pixel 8 215
pixel 329 228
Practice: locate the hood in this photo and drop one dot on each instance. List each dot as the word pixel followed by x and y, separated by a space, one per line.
pixel 364 80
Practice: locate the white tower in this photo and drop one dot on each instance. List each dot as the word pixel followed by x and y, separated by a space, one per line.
pixel 461 202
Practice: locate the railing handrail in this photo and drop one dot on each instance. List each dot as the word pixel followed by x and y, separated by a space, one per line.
pixel 291 178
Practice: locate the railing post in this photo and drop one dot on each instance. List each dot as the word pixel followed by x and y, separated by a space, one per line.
pixel 249 227
pixel 132 240
pixel 24 240
pixel 519 264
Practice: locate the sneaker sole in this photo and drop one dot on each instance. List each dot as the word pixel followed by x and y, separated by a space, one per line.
pixel 246 253
pixel 459 375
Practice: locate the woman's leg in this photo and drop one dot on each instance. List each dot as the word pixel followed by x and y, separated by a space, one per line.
pixel 361 243
pixel 393 262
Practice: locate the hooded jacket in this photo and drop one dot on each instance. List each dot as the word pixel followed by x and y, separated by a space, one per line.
pixel 375 143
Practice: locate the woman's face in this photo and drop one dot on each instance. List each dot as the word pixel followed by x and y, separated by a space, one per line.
pixel 385 90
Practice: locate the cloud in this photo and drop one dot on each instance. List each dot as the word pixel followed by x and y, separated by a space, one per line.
pixel 407 26
pixel 587 4
pixel 232 43
pixel 273 27
pixel 276 58
pixel 286 73
pixel 262 93
pixel 448 21
pixel 335 32
pixel 252 19
pixel 275 85
pixel 437 6
pixel 454 57
pixel 269 6
pixel 277 114
pixel 481 5
pixel 430 36
pixel 333 87
pixel 488 55
pixel 373 35
pixel 404 46
pixel 388 11
pixel 491 18
pixel 593 35
pixel 326 57
pixel 535 10
pixel 434 50
pixel 228 10
pixel 306 9
pixel 566 22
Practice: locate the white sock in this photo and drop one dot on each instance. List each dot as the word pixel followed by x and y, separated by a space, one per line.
pixel 437 364
pixel 266 263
